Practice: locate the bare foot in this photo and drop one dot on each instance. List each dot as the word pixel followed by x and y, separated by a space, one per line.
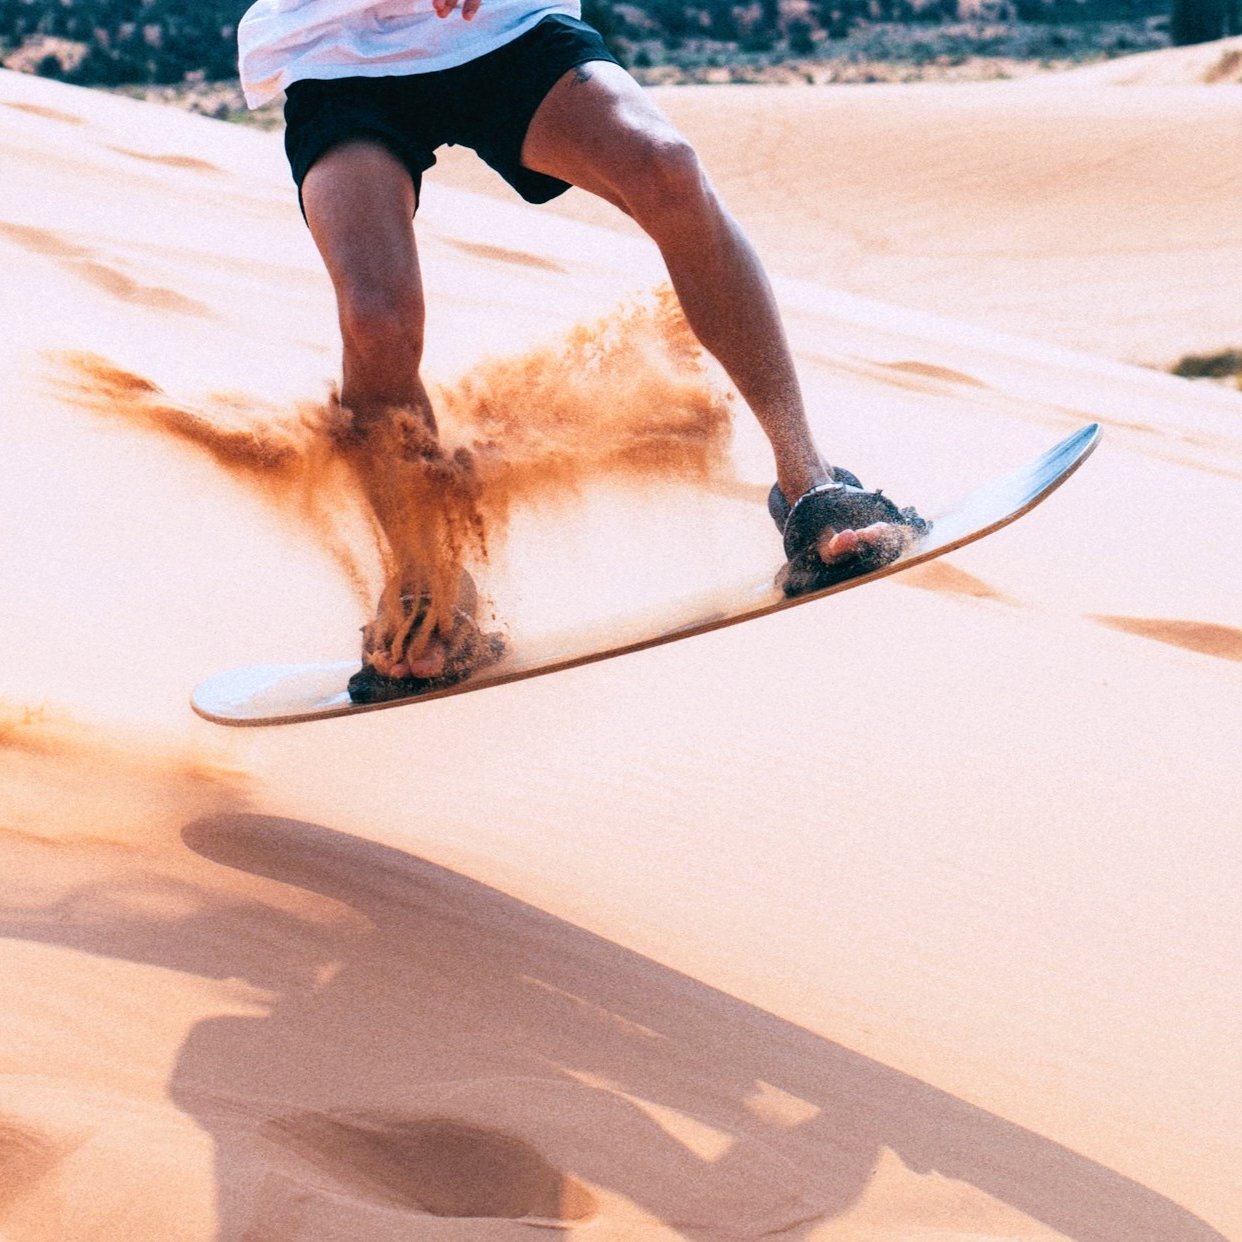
pixel 396 643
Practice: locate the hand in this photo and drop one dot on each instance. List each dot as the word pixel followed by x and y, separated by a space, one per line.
pixel 468 7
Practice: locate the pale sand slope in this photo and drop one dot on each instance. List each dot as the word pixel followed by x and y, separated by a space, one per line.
pixel 1209 64
pixel 961 859
pixel 1103 219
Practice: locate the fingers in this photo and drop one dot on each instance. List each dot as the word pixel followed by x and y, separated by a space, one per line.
pixel 444 7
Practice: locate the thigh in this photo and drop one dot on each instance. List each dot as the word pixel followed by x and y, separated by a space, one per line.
pixel 597 129
pixel 498 95
pixel 359 201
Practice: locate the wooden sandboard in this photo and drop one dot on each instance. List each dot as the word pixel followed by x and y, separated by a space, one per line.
pixel 287 693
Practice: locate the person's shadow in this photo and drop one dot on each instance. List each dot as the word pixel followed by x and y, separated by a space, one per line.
pixel 434 1048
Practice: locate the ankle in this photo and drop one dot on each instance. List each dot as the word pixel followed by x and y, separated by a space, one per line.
pixel 800 477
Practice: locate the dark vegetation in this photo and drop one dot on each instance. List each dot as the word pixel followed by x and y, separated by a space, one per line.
pixel 1198 21
pixel 1223 365
pixel 154 42
pixel 109 42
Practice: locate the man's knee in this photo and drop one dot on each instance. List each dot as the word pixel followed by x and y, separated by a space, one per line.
pixel 665 181
pixel 382 320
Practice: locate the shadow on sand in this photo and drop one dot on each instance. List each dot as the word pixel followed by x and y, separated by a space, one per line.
pixel 437 1049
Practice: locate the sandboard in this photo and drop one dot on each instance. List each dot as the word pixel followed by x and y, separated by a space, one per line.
pixel 288 693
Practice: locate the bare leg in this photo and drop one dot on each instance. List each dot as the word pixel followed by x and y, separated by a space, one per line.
pixel 597 129
pixel 359 203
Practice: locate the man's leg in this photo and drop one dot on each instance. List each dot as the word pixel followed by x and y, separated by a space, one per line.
pixel 359 203
pixel 598 130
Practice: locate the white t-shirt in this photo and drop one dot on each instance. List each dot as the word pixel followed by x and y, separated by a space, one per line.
pixel 281 41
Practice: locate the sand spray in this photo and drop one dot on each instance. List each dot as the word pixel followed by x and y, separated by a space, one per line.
pixel 628 396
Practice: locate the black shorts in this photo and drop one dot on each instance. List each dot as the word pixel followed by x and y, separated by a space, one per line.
pixel 486 104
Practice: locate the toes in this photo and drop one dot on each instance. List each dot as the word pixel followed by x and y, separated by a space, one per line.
pixel 838 545
pixel 430 664
pixel 845 543
pixel 383 663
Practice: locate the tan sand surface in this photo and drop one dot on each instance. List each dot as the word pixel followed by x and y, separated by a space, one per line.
pixel 908 916
pixel 1099 219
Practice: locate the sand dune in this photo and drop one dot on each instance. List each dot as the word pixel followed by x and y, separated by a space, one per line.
pixel 908 916
pixel 1203 64
pixel 1102 220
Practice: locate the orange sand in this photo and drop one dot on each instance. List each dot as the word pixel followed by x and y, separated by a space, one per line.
pixel 910 916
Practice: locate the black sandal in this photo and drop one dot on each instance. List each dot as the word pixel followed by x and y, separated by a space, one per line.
pixel 843 504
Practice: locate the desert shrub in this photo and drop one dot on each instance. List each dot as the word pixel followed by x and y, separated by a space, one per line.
pixel 801 37
pixel 1210 366
pixel 1200 21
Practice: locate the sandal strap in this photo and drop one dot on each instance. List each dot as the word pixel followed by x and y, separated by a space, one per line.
pixel 779 507
pixel 841 507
